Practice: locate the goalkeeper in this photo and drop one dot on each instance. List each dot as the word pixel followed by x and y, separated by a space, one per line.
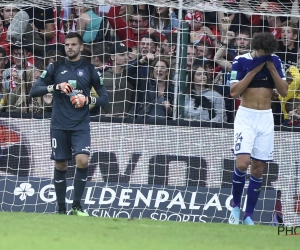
pixel 70 81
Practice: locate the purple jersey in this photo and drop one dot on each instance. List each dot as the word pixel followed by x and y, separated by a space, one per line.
pixel 243 64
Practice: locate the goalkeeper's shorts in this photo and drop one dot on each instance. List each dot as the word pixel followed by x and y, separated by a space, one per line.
pixel 66 143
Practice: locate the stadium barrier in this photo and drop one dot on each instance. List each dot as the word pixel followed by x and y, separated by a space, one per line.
pixel 176 171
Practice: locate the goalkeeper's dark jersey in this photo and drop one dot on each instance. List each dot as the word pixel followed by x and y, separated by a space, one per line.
pixel 83 76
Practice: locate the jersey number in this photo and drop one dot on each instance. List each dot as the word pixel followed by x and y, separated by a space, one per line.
pixel 54 143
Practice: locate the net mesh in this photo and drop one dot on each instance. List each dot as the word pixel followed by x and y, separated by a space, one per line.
pixel 163 166
pixel 283 7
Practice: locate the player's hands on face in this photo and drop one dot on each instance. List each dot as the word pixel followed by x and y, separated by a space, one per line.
pixel 79 100
pixel 258 68
pixel 64 87
pixel 270 65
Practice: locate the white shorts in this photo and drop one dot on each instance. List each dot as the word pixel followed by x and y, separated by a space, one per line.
pixel 254 133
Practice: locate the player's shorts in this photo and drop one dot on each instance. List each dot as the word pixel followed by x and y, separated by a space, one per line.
pixel 254 133
pixel 66 143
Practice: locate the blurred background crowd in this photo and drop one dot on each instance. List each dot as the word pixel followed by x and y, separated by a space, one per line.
pixel 138 50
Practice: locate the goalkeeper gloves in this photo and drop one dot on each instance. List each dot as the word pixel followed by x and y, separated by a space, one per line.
pixel 62 87
pixel 80 100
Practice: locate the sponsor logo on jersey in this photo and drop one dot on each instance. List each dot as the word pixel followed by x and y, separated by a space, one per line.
pixel 233 75
pixel 44 74
pixel 100 78
pixel 80 72
pixel 73 83
pixel 65 71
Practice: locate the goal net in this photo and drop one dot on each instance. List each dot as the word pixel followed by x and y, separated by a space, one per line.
pixel 159 150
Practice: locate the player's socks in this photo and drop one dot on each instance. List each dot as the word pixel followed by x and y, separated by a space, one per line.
pixel 252 195
pixel 79 185
pixel 60 185
pixel 238 183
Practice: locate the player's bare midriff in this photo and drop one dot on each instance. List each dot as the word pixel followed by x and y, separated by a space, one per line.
pixel 257 98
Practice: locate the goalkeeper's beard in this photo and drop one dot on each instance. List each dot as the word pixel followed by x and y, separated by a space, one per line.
pixel 71 57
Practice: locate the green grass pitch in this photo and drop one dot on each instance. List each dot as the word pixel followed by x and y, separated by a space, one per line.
pixel 50 231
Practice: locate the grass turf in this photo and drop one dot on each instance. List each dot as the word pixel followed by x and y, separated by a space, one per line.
pixel 50 231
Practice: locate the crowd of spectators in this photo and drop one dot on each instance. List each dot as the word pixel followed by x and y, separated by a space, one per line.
pixel 135 49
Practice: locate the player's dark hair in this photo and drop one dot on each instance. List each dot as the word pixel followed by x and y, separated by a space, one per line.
pixel 291 104
pixel 73 35
pixel 264 41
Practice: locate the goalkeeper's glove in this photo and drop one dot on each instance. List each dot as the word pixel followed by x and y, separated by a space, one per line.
pixel 80 100
pixel 62 87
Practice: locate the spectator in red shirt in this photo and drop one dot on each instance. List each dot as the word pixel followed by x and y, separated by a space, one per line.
pixel 3 35
pixel 137 27
pixel 273 21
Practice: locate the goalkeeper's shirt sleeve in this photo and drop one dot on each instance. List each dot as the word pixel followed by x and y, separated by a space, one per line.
pixel 40 87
